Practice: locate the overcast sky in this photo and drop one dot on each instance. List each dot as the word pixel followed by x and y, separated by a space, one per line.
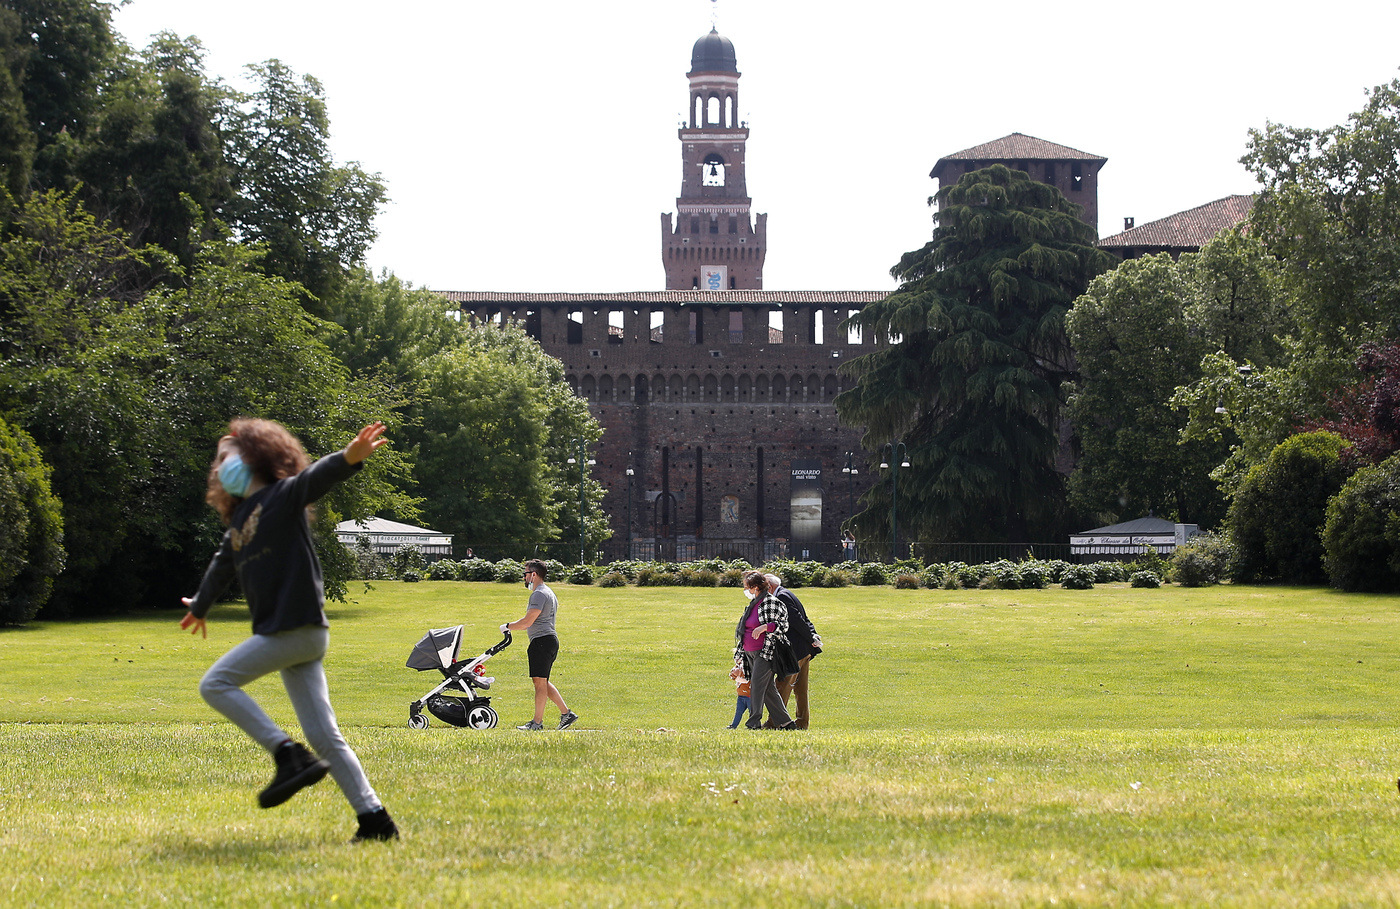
pixel 531 146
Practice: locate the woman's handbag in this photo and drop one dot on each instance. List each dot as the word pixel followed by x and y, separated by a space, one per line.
pixel 784 660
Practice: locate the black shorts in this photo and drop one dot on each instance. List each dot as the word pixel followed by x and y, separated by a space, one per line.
pixel 542 653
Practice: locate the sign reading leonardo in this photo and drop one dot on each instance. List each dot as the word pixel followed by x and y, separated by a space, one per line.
pixel 806 503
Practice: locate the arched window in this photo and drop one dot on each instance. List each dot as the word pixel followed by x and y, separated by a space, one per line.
pixel 573 383
pixel 779 388
pixel 624 389
pixel 760 388
pixel 726 387
pixel 641 389
pixel 795 389
pixel 830 389
pixel 712 171
pixel 745 388
pixel 714 114
pixel 677 387
pixel 692 388
pixel 711 388
pixel 605 389
pixel 590 389
pixel 658 386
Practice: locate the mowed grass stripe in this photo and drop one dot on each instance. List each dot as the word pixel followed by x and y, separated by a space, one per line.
pixel 1100 748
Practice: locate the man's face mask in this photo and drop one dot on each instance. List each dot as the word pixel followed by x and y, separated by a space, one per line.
pixel 235 476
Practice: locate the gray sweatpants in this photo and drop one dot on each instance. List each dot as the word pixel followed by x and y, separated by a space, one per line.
pixel 763 692
pixel 297 655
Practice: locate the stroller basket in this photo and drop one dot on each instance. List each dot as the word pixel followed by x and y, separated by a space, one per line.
pixel 438 650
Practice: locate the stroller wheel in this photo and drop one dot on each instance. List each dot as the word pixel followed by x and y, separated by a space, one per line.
pixel 482 718
pixel 418 721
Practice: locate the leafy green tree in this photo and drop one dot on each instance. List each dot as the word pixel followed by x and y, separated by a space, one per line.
pixel 66 48
pixel 491 417
pixel 154 164
pixel 17 138
pixel 31 528
pixel 1361 536
pixel 72 351
pixel 1135 344
pixel 1236 300
pixel 314 218
pixel 127 394
pixel 1330 212
pixel 1329 221
pixel 387 324
pixel 972 380
pixel 1277 514
pixel 1145 329
pixel 497 422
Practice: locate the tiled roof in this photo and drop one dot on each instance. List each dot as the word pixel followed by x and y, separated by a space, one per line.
pixel 1188 229
pixel 1017 147
pixel 1134 527
pixel 672 297
pixel 381 525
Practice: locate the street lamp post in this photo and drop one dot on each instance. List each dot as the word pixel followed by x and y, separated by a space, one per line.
pixel 584 462
pixel 894 453
pixel 630 473
pixel 850 471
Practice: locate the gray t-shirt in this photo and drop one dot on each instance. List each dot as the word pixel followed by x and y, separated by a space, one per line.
pixel 547 603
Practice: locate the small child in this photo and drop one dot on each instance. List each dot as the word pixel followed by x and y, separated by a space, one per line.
pixel 741 703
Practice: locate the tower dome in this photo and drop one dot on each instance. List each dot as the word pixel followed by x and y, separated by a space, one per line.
pixel 713 53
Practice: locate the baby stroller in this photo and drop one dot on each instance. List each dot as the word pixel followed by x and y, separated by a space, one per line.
pixel 438 650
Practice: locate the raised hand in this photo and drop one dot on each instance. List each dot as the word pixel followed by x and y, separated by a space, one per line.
pixel 366 443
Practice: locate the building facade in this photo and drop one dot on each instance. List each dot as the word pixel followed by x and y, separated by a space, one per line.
pixel 721 404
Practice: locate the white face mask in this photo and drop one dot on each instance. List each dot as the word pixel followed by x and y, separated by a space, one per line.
pixel 747 595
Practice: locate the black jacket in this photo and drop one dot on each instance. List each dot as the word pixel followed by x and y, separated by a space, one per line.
pixel 801 632
pixel 268 544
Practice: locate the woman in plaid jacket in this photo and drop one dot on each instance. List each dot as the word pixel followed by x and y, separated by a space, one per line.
pixel 761 628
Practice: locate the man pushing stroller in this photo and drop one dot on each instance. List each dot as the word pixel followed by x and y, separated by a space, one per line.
pixel 538 623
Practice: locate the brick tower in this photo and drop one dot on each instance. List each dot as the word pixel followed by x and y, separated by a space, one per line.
pixel 713 244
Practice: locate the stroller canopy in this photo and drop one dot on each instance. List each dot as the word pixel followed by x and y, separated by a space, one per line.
pixel 437 649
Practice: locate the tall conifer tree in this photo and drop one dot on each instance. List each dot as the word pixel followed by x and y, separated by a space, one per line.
pixel 971 379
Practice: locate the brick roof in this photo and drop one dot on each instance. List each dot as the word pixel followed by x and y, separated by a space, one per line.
pixel 1017 147
pixel 1189 229
pixel 672 297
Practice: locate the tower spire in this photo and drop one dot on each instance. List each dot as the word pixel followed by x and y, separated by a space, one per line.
pixel 715 243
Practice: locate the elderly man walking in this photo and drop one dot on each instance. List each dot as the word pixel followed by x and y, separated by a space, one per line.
pixel 806 643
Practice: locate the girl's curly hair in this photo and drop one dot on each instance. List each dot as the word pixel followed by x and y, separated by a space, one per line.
pixel 269 450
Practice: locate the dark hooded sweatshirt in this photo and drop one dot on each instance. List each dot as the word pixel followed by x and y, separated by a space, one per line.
pixel 268 544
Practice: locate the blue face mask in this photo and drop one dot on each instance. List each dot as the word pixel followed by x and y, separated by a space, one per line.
pixel 235 476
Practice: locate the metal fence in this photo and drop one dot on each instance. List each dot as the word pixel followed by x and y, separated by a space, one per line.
pixel 756 552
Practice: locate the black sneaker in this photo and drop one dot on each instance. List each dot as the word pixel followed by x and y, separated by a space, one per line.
pixel 297 768
pixel 376 825
pixel 568 719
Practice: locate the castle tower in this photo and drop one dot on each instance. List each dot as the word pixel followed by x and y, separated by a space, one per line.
pixel 1073 172
pixel 714 243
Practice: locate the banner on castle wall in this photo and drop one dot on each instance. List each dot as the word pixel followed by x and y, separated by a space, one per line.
pixel 714 277
pixel 806 507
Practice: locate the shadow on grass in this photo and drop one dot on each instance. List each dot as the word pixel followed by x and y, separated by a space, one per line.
pixel 231 612
pixel 242 847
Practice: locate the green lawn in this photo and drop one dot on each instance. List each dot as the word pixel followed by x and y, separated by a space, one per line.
pixel 1221 746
